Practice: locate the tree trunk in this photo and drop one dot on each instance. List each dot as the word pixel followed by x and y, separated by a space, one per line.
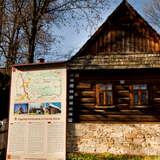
pixel 32 40
pixel 31 49
pixel 1 17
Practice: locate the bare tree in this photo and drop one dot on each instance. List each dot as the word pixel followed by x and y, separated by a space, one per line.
pixel 45 13
pixel 1 14
pixel 11 31
pixel 26 25
pixel 152 12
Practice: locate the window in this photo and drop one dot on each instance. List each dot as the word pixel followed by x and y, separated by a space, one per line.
pixel 140 94
pixel 104 95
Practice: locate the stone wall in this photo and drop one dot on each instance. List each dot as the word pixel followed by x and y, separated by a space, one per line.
pixel 136 139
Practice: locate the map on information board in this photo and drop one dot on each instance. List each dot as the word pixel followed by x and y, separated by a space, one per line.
pixel 37 117
pixel 38 86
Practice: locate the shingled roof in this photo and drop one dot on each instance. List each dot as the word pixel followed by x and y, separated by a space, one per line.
pixel 125 40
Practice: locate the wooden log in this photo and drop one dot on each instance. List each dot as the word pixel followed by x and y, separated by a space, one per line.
pixel 141 107
pixel 107 112
pixel 123 93
pixel 124 100
pixel 156 87
pixel 105 107
pixel 156 101
pixel 83 85
pixel 123 106
pixel 121 87
pixel 120 118
pixel 87 105
pixel 155 93
pixel 87 93
pixel 156 106
pixel 87 100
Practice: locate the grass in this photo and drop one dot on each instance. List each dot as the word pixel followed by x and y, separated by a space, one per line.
pixel 106 156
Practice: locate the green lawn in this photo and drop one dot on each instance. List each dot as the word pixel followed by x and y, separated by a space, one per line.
pixel 106 156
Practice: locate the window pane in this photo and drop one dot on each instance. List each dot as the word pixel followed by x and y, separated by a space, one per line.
pixel 104 94
pixel 109 87
pixel 140 94
pixel 140 86
pixel 109 98
pixel 143 87
pixel 101 99
pixel 136 97
pixel 104 87
pixel 144 97
pixel 136 87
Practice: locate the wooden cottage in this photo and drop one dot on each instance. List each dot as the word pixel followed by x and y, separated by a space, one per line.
pixel 115 76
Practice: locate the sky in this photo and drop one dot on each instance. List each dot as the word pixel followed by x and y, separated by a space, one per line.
pixel 71 40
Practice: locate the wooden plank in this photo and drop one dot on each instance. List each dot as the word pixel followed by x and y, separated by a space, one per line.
pixel 156 87
pixel 140 112
pixel 84 85
pixel 87 93
pixel 87 105
pixel 121 87
pixel 84 111
pixel 141 107
pixel 156 106
pixel 97 94
pixel 131 95
pixel 87 100
pixel 123 93
pixel 105 107
pixel 156 99
pixel 124 100
pixel 120 118
pixel 123 106
pixel 155 94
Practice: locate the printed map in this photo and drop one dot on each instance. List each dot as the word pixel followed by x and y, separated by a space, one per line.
pixel 34 86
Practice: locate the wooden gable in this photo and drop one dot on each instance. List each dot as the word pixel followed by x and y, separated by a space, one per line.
pixel 125 40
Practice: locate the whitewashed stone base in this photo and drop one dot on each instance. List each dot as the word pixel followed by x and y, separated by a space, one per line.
pixel 135 139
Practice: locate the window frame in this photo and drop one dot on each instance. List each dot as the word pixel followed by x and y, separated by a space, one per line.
pixel 108 89
pixel 140 88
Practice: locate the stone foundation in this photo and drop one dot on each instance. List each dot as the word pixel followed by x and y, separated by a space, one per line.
pixel 135 139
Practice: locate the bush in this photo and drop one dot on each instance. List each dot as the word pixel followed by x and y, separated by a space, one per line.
pixel 106 156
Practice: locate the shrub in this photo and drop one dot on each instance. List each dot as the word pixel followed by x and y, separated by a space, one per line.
pixel 106 156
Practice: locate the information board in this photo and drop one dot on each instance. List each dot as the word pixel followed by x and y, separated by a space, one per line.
pixel 37 119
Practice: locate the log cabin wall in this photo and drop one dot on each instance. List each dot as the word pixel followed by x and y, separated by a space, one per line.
pixel 125 40
pixel 115 75
pixel 122 110
pixel 114 88
pixel 120 49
